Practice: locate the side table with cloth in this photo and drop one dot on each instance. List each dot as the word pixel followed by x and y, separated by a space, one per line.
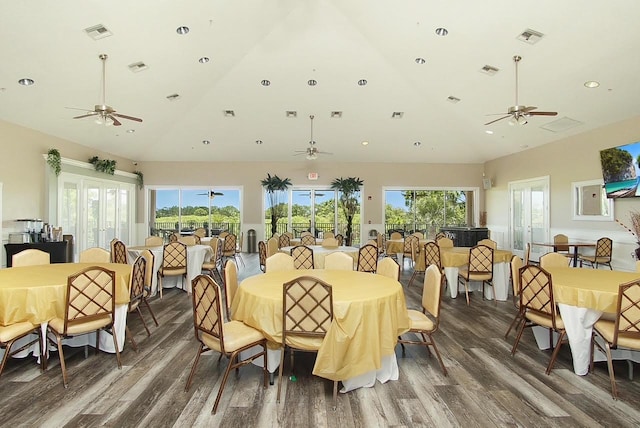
pixel 38 294
pixel 396 246
pixel 454 257
pixel 196 255
pixel 369 314
pixel 583 295
pixel 320 252
pixel 575 245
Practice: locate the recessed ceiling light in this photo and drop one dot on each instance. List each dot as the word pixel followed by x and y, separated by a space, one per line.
pixel 204 60
pixel 130 131
pixel 258 142
pixel 440 31
pixel 420 61
pixel 488 132
pixel 362 82
pixel 182 30
pixel 591 84
pixel 417 144
pixel 312 82
pixel 206 142
pixel 26 81
pixel 265 82
pixel 365 143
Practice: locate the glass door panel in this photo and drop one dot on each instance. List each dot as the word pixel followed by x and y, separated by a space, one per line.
pixel 529 216
pixel 300 214
pixel 110 226
pixel 324 211
pixel 93 217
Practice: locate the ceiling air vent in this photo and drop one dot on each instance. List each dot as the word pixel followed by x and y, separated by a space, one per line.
pixel 561 124
pixel 453 99
pixel 397 115
pixel 98 32
pixel 138 66
pixel 291 113
pixel 229 113
pixel 336 114
pixel 173 97
pixel 490 70
pixel 530 36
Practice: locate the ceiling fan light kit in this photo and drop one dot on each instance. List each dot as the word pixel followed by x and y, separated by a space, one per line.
pixel 312 152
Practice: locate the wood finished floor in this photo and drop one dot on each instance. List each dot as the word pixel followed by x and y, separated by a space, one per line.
pixel 486 386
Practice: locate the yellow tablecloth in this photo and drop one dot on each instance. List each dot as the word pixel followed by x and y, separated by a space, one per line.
pixel 38 293
pixel 320 252
pixel 395 246
pixel 589 288
pixel 369 314
pixel 459 256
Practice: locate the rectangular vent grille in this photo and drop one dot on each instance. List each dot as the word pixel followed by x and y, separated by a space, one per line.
pixel 530 36
pixel 336 114
pixel 229 113
pixel 98 32
pixel 291 113
pixel 138 66
pixel 397 115
pixel 453 99
pixel 490 70
pixel 173 97
pixel 561 124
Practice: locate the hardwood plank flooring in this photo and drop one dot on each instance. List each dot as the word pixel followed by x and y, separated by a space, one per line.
pixel 486 386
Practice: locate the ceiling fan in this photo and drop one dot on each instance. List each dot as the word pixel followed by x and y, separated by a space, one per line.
pixel 212 194
pixel 103 113
pixel 312 151
pixel 519 113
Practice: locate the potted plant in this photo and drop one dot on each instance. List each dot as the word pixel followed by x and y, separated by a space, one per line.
pixel 349 189
pixel 275 187
pixel 54 161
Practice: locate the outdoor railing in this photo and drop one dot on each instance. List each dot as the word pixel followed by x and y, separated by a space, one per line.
pixel 166 228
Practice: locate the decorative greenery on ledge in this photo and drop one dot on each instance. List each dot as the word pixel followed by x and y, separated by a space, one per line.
pixel 107 166
pixel 54 161
pixel 140 180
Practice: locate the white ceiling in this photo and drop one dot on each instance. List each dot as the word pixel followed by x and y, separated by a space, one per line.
pixel 335 42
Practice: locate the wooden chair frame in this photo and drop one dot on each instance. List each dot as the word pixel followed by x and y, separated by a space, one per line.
pixel 119 252
pixel 604 249
pixel 368 258
pixel 302 257
pixel 174 263
pixel 479 268
pixel 308 240
pixel 262 255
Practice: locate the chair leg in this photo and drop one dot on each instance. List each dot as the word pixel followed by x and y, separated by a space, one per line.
pixel 435 348
pixel 466 291
pixel 280 369
pixel 523 323
pixel 63 367
pixel 193 367
pixel 7 351
pixel 151 311
pixel 413 275
pixel 513 324
pixel 335 394
pixel 612 376
pixel 224 382
pixel 133 341
pixel 160 285
pixel 115 345
pixel 555 352
pixel 142 319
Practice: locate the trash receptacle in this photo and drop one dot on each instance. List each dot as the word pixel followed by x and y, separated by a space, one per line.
pixel 251 241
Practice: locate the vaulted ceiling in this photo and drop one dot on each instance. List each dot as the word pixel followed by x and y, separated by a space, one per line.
pixel 337 44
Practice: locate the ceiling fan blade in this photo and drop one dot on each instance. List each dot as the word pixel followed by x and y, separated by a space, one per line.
pixel 496 114
pixel 543 113
pixel 116 122
pixel 528 109
pixel 124 116
pixel 324 153
pixel 81 109
pixel 93 113
pixel 493 121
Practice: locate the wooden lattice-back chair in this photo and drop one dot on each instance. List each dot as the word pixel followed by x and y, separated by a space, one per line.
pixel 137 296
pixel 340 239
pixel 30 257
pixel 338 260
pixel 11 333
pixel 153 241
pixel 272 246
pixel 308 240
pixel 395 235
pixel 284 241
pixel 197 239
pixel 307 312
pixel 330 242
pixel 382 244
pixel 368 258
pixel 200 232
pixel 489 243
pixel 188 240
pixel 279 262
pixel 223 234
pixel 148 280
pixel 444 242
pixel 119 252
pixel 229 248
pixel 262 255
pixel 604 249
pixel 420 235
pixel 516 264
pixel 230 284
pixel 174 263
pixel 561 243
pixel 94 255
pixel 90 306
pixel 302 257
pixel 624 331
pixel 479 268
pixel 551 260
pixel 389 267
pixel 227 338
pixel 410 245
pixel 419 263
pixel 238 253
pixel 289 234
pixel 538 307
pixel 214 264
pixel 439 235
pixel 328 234
pixel 173 237
pixel 426 322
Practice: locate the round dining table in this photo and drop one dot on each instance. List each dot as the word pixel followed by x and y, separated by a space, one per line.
pixel 369 315
pixel 320 252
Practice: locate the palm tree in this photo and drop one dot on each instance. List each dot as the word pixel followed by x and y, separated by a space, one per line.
pixel 275 186
pixel 349 189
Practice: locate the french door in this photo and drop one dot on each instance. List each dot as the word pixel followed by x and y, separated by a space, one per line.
pixel 312 210
pixel 529 219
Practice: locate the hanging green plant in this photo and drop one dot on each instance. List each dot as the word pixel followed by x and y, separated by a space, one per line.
pixel 54 161
pixel 140 179
pixel 107 166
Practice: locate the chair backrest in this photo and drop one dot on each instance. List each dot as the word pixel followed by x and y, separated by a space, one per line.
pixel 207 309
pixel 420 235
pixel 432 292
pixel 527 253
pixel 221 235
pixel 284 241
pixel 289 234
pixel 229 245
pixel 445 242
pixel 174 256
pixel 396 235
pixel 262 255
pixel 118 252
pixel 307 308
pixel 409 241
pixel 536 292
pixel 173 237
pixel 197 239
pixel 481 259
pixel 432 254
pixel 89 296
pixel 302 257
pixel 148 274
pixel 305 233
pixel 550 260
pixel 187 240
pixel 272 246
pixel 368 258
pixel 604 248
pixel 340 239
pixel 279 262
pixel 516 264
pixel 153 241
pixel 308 239
pixel 219 253
pixel 328 234
pixel 381 240
pixel 559 240
pixel 389 268
pixel 627 324
pixel 201 232
pixel 329 242
pixel 95 255
pixel 440 235
pixel 137 283
pixel 338 261
pixel 489 243
pixel 230 284
pixel 373 242
pixel 30 257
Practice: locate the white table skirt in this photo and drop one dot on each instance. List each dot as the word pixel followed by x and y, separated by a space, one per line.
pixel 501 275
pixel 578 324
